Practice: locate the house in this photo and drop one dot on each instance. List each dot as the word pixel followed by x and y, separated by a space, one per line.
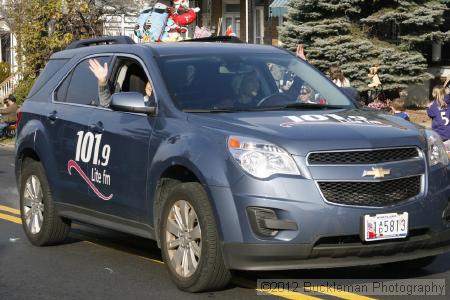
pixel 253 21
pixel 262 16
pixel 8 55
pixel 7 42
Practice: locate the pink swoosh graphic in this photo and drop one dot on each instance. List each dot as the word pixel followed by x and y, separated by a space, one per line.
pixel 72 164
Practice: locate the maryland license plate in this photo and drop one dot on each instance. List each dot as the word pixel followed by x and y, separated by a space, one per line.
pixel 385 226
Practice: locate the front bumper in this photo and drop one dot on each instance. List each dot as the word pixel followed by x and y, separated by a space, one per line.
pixel 258 257
pixel 328 235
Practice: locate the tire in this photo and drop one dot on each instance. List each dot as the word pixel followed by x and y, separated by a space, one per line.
pixel 415 264
pixel 39 219
pixel 199 243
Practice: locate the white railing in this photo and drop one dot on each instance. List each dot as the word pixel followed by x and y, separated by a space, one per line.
pixel 9 85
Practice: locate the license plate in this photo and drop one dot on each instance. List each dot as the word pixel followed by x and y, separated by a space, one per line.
pixel 385 226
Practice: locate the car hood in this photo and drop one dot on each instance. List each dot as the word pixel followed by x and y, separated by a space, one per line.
pixel 300 132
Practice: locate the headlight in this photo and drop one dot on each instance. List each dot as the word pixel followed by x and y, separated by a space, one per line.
pixel 260 158
pixel 436 149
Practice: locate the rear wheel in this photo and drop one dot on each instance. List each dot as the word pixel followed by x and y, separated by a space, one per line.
pixel 39 219
pixel 189 240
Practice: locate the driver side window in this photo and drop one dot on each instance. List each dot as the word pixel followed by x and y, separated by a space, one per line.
pixel 130 77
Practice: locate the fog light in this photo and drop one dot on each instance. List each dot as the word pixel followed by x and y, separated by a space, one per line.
pixel 265 223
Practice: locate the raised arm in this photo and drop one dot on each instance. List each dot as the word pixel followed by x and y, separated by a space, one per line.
pixel 101 73
pixel 447 81
pixel 301 52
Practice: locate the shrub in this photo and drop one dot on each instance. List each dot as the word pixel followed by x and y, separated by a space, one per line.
pixel 23 88
pixel 4 71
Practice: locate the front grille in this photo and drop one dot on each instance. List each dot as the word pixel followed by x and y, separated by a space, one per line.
pixel 375 194
pixel 362 157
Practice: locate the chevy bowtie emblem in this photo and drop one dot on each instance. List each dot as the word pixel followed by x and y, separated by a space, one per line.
pixel 377 172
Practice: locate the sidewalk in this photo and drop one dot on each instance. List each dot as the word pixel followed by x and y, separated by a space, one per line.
pixel 419 117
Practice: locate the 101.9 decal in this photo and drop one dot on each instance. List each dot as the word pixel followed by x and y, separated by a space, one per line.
pixel 90 150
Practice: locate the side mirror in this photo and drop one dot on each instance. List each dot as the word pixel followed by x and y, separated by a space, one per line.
pixel 130 102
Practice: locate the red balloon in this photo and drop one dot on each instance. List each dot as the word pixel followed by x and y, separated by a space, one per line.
pixel 184 19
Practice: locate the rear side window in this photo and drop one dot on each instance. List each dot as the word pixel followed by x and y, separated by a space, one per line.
pixel 50 69
pixel 80 86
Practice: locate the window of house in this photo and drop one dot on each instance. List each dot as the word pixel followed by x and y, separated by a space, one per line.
pixel 231 16
pixel 230 8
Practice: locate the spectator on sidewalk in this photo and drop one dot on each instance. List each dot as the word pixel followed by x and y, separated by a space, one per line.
pixel 337 76
pixel 399 108
pixel 439 112
pixel 8 113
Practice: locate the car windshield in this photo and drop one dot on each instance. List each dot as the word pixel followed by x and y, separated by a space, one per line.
pixel 232 82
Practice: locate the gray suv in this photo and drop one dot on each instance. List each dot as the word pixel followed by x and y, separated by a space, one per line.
pixel 247 158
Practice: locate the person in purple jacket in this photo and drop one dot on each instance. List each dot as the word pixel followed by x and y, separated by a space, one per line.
pixel 439 112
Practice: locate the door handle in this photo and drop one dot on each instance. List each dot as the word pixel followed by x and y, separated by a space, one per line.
pixel 53 116
pixel 96 127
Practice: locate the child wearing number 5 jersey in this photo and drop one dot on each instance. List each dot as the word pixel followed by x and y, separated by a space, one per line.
pixel 439 112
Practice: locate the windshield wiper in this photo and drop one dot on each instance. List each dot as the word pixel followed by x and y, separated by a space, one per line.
pixel 312 106
pixel 297 105
pixel 226 109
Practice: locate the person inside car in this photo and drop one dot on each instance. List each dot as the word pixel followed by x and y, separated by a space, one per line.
pixel 248 91
pixel 306 94
pixel 104 94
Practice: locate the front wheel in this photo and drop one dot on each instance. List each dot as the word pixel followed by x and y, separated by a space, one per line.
pixel 189 240
pixel 39 219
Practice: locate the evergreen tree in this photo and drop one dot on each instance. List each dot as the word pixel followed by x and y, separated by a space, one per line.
pixel 415 23
pixel 355 34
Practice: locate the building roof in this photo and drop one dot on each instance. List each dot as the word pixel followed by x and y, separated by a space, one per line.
pixel 278 8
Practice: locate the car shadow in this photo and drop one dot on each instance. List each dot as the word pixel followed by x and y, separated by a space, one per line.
pixel 248 279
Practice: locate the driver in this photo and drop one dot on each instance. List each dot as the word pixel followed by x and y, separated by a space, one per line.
pixel 248 91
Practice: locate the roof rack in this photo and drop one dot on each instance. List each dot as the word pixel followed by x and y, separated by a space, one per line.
pixel 216 39
pixel 106 40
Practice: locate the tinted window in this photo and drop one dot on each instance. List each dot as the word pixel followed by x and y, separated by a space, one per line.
pixel 50 69
pixel 80 86
pixel 62 89
pixel 246 81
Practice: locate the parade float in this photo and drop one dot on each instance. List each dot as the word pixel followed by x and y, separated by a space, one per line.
pixel 162 23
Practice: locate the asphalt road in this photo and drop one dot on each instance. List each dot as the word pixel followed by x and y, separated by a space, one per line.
pixel 102 264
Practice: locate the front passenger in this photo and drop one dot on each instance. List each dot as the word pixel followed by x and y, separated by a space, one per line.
pixel 104 93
